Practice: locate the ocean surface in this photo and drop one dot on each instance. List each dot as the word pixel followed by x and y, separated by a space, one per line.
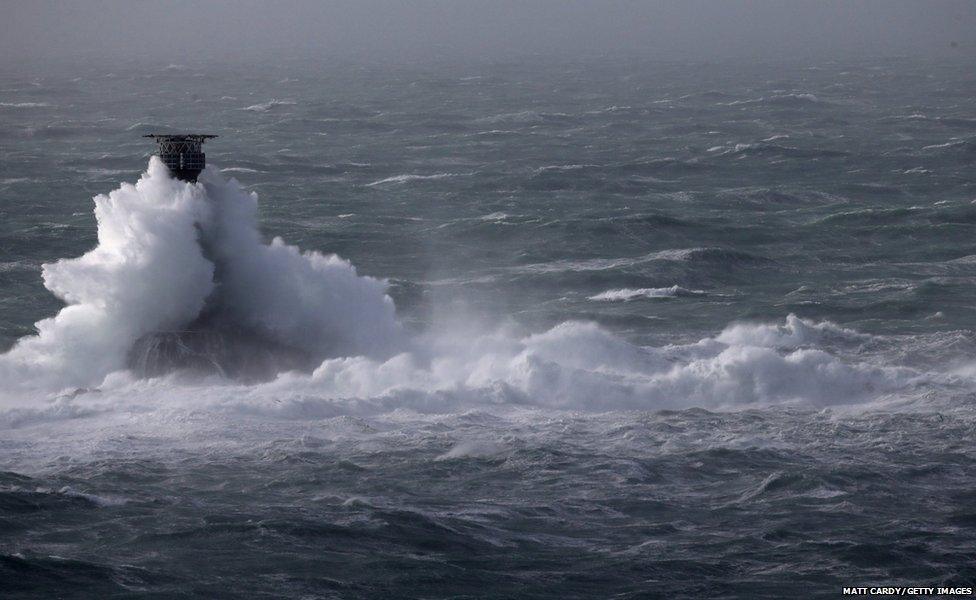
pixel 611 328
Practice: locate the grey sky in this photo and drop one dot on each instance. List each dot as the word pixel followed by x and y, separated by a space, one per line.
pixel 184 30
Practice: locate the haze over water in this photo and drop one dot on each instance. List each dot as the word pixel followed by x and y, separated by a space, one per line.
pixel 602 326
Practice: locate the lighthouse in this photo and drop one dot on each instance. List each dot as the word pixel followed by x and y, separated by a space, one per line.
pixel 182 153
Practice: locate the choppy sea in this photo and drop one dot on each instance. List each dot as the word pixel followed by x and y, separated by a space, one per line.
pixel 612 328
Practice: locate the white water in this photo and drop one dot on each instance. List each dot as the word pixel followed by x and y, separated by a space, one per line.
pixel 626 294
pixel 149 273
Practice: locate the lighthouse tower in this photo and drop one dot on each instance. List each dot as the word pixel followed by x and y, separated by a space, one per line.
pixel 182 154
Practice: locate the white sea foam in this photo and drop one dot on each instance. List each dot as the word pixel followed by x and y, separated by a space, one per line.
pixel 497 132
pixel 266 106
pixel 238 170
pixel 168 250
pixel 24 104
pixel 606 264
pixel 406 178
pixel 951 144
pixel 609 109
pixel 473 449
pixel 566 168
pixel 574 366
pixel 625 294
pixel 149 273
pixel 778 99
pixel 307 300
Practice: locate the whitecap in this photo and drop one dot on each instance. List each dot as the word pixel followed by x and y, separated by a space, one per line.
pixel 627 294
pixel 266 106
pixel 24 104
pixel 406 178
pixel 238 170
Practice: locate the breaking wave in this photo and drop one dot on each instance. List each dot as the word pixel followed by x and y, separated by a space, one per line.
pixel 575 366
pixel 182 304
pixel 174 257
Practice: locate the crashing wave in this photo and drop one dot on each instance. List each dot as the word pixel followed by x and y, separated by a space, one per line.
pixel 181 281
pixel 178 257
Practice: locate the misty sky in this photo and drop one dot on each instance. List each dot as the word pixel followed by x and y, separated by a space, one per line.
pixel 184 30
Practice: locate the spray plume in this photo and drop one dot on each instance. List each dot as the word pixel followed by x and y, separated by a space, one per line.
pixel 181 280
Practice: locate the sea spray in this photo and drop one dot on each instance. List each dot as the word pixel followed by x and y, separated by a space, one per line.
pixel 174 257
pixel 579 366
pixel 181 280
pixel 308 300
pixel 146 273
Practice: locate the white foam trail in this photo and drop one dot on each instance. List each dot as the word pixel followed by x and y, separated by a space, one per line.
pixel 238 170
pixel 24 104
pixel 626 294
pixel 413 177
pixel 782 99
pixel 266 106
